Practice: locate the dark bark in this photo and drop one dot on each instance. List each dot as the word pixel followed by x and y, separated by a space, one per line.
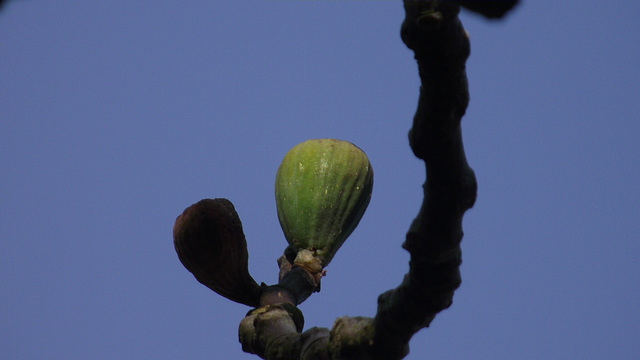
pixel 441 46
pixel 489 9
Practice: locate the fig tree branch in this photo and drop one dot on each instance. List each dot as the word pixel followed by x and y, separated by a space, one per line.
pixel 441 46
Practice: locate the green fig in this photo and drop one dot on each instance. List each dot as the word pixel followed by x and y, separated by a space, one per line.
pixel 210 243
pixel 323 187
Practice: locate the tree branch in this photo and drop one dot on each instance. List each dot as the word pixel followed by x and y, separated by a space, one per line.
pixel 441 45
pixel 489 9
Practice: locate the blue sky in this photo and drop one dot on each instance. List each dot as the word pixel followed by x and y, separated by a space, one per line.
pixel 115 116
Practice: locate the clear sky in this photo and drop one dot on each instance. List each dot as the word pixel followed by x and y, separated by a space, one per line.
pixel 116 115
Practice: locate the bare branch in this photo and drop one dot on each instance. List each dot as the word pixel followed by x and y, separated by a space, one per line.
pixel 441 46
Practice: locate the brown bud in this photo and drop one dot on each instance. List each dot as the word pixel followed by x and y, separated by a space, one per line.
pixel 210 243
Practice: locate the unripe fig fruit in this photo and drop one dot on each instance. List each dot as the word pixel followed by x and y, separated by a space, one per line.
pixel 323 187
pixel 210 243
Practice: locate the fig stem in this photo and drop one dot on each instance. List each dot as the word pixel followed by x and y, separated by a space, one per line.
pixel 276 294
pixel 295 285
